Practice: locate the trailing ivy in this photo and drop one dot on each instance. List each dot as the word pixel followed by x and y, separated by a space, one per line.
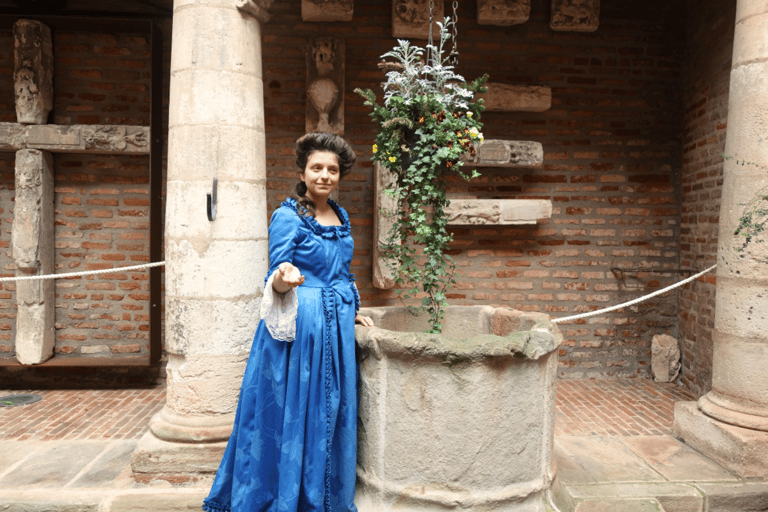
pixel 755 215
pixel 428 121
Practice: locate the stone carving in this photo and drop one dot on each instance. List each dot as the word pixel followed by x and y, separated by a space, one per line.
pixel 327 10
pixel 325 86
pixel 33 240
pixel 507 153
pixel 384 207
pixel 498 211
pixel 410 18
pixel 259 9
pixel 75 138
pixel 113 138
pixel 33 71
pixel 503 12
pixel 575 15
pixel 517 98
pixel 665 358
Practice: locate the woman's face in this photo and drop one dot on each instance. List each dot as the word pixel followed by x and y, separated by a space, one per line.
pixel 321 175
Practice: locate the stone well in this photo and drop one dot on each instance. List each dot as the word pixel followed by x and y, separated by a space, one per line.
pixel 461 420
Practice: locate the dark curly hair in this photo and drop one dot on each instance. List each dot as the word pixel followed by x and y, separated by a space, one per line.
pixel 320 141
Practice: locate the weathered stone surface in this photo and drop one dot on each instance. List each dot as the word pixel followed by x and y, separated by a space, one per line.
pixel 54 467
pixel 327 10
pixel 259 9
pixel 498 211
pixel 154 456
pixel 506 153
pixel 746 497
pixel 33 71
pixel 410 19
pixel 741 450
pixel 440 427
pixel 665 358
pixel 384 207
pixel 575 15
pixel 53 505
pixel 102 139
pixel 109 466
pixel 516 98
pixel 325 85
pixel 160 502
pixel 604 459
pixel 32 241
pixel 503 12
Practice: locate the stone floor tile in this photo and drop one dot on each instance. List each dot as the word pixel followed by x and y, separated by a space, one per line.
pixel 104 472
pixel 159 502
pixel 676 461
pixel 54 466
pixel 604 459
pixel 642 505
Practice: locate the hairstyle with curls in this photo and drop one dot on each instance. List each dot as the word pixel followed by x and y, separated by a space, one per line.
pixel 320 141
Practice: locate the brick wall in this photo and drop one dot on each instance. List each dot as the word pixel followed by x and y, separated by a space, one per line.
pixel 707 71
pixel 101 201
pixel 612 165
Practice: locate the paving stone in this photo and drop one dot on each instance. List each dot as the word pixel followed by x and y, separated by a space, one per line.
pixel 53 466
pixel 675 460
pixel 12 452
pixel 164 502
pixel 108 467
pixel 745 497
pixel 620 506
pixel 605 459
pixel 675 497
pixel 47 506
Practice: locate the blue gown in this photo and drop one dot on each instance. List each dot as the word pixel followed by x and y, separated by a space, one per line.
pixel 294 443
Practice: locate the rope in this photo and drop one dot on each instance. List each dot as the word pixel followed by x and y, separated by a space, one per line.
pixel 634 301
pixel 86 273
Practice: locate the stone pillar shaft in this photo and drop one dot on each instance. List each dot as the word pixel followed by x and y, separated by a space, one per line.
pixel 214 269
pixel 731 421
pixel 33 241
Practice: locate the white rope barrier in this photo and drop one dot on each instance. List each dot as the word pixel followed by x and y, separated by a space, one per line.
pixel 85 273
pixel 634 301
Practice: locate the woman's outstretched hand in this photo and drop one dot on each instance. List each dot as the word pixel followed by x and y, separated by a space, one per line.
pixel 365 321
pixel 287 277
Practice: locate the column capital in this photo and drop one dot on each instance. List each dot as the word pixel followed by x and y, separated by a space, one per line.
pixel 259 9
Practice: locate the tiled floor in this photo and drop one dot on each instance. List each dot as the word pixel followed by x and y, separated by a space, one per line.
pixel 628 407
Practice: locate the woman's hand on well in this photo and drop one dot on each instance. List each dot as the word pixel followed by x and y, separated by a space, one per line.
pixel 365 321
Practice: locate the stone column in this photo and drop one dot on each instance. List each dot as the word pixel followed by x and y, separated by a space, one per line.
pixel 730 423
pixel 214 269
pixel 33 238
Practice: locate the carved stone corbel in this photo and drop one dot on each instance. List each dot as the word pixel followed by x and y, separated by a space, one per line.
pixel 575 15
pixel 503 12
pixel 33 71
pixel 327 10
pixel 325 86
pixel 410 18
pixel 259 9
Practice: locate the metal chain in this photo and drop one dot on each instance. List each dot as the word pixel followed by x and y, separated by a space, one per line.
pixel 453 57
pixel 431 22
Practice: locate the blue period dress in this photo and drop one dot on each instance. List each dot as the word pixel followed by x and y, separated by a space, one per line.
pixel 294 443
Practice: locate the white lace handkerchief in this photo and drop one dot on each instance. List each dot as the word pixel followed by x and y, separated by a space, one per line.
pixel 279 311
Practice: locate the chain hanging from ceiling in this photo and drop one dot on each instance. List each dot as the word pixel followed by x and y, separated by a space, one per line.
pixel 453 57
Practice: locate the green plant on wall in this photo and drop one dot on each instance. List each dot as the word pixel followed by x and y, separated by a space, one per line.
pixel 752 222
pixel 428 121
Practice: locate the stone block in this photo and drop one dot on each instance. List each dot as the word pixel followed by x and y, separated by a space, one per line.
pixel 33 71
pixel 155 459
pixel 89 504
pixel 503 12
pixel 665 358
pixel 325 85
pixel 506 153
pixel 102 139
pixel 745 497
pixel 497 211
pixel 516 98
pixel 575 15
pixel 410 19
pixel 327 10
pixel 384 207
pixel 604 459
pixel 54 466
pixel 176 501
pixel 741 450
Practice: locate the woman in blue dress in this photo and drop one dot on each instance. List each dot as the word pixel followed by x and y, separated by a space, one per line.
pixel 294 443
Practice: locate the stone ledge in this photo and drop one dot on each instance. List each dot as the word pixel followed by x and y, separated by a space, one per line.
pixel 498 211
pixel 77 138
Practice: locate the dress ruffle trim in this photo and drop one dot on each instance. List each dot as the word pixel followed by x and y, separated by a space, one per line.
pixel 317 228
pixel 356 293
pixel 214 506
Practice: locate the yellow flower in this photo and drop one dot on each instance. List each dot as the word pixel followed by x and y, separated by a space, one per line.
pixel 474 133
pixel 392 159
pixel 375 148
pixel 469 114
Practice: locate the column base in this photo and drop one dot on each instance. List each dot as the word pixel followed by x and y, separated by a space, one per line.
pixel 177 463
pixel 741 450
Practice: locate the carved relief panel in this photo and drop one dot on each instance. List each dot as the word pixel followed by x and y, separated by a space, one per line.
pixel 410 18
pixel 575 15
pixel 503 12
pixel 325 86
pixel 327 10
pixel 33 71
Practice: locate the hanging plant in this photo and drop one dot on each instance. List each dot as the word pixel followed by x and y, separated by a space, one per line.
pixel 428 121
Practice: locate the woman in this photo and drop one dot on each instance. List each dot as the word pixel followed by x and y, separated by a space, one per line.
pixel 293 447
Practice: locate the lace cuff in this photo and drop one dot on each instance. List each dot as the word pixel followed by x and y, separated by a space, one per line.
pixel 279 311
